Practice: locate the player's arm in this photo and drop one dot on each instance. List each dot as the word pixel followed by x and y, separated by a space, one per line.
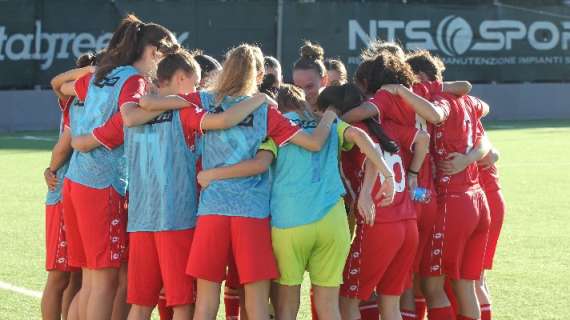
pixel 133 115
pixel 457 162
pixel 490 159
pixel 458 88
pixel 85 143
pixel 421 106
pixel 366 207
pixel 360 113
pixel 59 155
pixel 373 154
pixel 63 83
pixel 236 114
pixel 110 135
pixel 163 103
pixel 314 141
pixel 246 168
pixel 420 150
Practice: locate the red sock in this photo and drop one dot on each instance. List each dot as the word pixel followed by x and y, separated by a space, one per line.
pixel 485 312
pixel 231 304
pixel 460 317
pixel 451 296
pixel 408 315
pixel 421 308
pixel 165 313
pixel 313 309
pixel 369 311
pixel 445 313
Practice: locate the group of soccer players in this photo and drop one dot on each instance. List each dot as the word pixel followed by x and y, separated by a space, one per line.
pixel 174 174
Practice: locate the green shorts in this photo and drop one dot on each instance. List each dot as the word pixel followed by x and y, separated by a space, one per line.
pixel 320 248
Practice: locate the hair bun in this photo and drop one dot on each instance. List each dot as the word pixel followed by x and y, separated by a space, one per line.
pixel 312 51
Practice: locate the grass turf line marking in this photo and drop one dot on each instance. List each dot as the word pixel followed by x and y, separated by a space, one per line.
pixel 23 291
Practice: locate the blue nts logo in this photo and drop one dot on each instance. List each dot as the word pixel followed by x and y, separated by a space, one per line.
pixel 454 35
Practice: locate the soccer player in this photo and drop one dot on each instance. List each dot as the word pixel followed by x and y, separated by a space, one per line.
pixel 336 72
pixel 390 232
pixel 210 67
pixel 429 68
pixel 233 214
pixel 63 280
pixel 96 180
pixel 309 72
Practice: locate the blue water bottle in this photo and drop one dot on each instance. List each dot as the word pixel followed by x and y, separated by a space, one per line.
pixel 420 194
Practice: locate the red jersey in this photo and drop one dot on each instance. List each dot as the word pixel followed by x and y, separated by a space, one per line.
pixel 352 166
pixel 458 133
pixel 488 178
pixel 392 108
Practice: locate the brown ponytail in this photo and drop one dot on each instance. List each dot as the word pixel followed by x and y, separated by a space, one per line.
pixel 312 56
pixel 129 41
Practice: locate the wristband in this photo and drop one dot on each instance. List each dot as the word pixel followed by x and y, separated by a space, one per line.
pixel 413 172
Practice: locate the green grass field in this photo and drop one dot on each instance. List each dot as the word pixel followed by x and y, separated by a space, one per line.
pixel 531 276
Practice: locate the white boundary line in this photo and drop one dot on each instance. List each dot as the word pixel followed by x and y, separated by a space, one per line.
pixel 23 291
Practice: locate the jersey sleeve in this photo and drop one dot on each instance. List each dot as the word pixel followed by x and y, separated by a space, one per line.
pixel 110 134
pixel 81 85
pixel 279 128
pixel 403 135
pixel 269 145
pixel 191 119
pixel 66 120
pixel 133 89
pixel 343 143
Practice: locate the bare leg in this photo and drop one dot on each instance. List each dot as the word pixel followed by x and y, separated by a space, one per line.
pixel 349 308
pixel 466 298
pixel 482 290
pixel 408 300
pixel 389 307
pixel 183 312
pixel 102 294
pixel 208 300
pixel 433 288
pixel 140 312
pixel 287 302
pixel 327 302
pixel 257 300
pixel 52 297
pixel 70 292
pixel 120 306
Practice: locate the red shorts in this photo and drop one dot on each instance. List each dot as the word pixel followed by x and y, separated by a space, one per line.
pixel 427 215
pixel 457 246
pixel 219 237
pixel 381 258
pixel 56 242
pixel 158 260
pixel 497 211
pixel 96 226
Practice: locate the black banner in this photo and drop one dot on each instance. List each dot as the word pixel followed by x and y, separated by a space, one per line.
pixel 479 43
